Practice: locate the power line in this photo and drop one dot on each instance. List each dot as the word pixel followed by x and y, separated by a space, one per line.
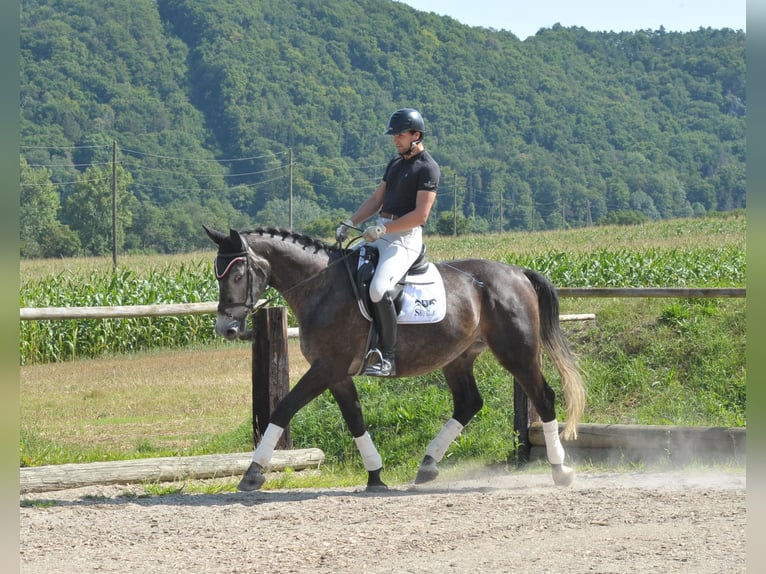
pixel 146 186
pixel 63 183
pixel 47 165
pixel 481 200
pixel 64 147
pixel 206 174
pixel 203 160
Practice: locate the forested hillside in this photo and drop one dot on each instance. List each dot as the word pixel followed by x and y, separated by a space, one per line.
pixel 221 112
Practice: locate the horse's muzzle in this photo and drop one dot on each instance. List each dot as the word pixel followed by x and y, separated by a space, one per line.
pixel 229 328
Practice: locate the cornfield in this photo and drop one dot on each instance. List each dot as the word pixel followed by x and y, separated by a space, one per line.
pixel 694 253
pixel 60 340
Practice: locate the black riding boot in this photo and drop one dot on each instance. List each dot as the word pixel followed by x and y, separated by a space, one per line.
pixel 385 317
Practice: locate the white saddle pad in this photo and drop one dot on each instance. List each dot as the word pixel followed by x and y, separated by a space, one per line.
pixel 424 299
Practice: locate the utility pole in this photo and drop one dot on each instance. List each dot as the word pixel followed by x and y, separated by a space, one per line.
pixel 290 177
pixel 563 213
pixel 454 204
pixel 501 210
pixel 114 205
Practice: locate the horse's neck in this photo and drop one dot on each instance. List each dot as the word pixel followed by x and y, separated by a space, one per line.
pixel 293 265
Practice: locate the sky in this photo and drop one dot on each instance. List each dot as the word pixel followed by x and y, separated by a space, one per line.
pixel 525 17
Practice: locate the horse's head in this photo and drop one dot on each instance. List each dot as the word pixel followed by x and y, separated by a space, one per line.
pixel 242 278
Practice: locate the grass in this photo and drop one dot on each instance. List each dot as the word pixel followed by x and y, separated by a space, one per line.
pixel 648 361
pixel 152 404
pixel 198 402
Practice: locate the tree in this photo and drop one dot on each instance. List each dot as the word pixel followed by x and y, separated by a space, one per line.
pixel 522 213
pixel 276 213
pixel 88 210
pixel 39 204
pixel 206 99
pixel 624 217
pixel 40 233
pixel 446 224
pixel 644 204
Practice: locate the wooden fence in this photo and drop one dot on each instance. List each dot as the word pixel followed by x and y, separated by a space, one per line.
pixel 270 368
pixel 270 381
pixel 631 442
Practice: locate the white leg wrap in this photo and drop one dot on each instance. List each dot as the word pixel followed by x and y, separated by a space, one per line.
pixel 370 455
pixel 269 440
pixel 553 443
pixel 441 442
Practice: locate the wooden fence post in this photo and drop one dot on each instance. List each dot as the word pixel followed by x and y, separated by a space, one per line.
pixel 271 372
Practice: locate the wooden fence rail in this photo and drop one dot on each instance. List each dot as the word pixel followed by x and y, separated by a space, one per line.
pixel 526 419
pixel 164 469
pixel 269 369
pixel 117 311
pixel 682 292
pixel 171 309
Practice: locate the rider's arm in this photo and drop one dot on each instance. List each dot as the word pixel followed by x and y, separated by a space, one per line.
pixel 424 201
pixel 370 206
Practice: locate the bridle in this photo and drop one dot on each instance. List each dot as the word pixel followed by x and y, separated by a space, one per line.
pixel 223 265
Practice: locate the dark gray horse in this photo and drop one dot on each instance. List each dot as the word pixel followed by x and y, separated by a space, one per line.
pixel 511 311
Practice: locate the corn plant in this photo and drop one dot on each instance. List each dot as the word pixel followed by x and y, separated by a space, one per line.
pixel 708 252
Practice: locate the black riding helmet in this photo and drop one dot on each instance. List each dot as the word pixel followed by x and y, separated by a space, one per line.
pixel 406 120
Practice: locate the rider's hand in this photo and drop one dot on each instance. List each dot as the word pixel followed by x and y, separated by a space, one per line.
pixel 342 232
pixel 374 232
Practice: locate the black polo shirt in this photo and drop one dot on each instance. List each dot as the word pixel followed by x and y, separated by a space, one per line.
pixel 404 178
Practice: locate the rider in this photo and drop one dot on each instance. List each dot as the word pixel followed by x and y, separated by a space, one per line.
pixel 402 201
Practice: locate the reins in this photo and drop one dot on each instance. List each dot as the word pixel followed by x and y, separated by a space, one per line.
pixel 252 306
pixel 343 256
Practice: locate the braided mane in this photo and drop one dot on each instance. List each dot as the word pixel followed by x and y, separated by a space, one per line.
pixel 300 238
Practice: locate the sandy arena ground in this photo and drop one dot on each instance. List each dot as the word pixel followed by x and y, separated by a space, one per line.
pixel 517 522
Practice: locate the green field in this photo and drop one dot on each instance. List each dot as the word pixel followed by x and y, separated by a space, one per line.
pixel 141 388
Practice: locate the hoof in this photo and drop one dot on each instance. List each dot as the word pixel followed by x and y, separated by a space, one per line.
pixel 374 483
pixel 562 475
pixel 428 471
pixel 253 478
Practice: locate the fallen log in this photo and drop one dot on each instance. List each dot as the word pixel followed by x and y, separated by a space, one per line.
pixel 168 469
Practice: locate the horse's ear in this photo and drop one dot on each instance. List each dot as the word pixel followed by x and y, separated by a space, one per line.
pixel 216 236
pixel 237 239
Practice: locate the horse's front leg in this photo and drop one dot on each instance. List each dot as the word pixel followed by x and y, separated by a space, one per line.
pixel 466 400
pixel 346 396
pixel 310 386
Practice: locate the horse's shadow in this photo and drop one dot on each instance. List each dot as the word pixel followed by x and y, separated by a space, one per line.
pixel 256 498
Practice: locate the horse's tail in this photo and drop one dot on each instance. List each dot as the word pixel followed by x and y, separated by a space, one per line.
pixel 557 346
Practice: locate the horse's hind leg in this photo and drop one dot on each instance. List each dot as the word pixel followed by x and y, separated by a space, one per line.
pixel 346 396
pixel 467 402
pixel 537 389
pixel 516 345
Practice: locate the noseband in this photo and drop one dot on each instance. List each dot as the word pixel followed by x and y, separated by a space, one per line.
pixel 223 264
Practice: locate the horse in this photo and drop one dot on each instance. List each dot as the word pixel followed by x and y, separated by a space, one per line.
pixel 510 310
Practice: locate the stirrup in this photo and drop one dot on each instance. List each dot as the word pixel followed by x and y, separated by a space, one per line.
pixel 382 368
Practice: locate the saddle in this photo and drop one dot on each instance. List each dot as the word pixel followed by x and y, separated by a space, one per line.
pixel 418 298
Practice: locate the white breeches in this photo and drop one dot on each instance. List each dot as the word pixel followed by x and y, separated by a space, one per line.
pixel 398 252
